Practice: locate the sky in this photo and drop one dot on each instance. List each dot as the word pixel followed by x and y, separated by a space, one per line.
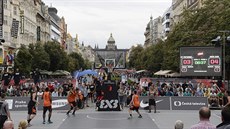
pixel 94 20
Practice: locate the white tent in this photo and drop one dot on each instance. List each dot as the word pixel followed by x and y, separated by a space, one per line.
pixel 162 72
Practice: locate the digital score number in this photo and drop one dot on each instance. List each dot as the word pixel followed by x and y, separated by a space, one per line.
pixel 214 61
pixel 186 61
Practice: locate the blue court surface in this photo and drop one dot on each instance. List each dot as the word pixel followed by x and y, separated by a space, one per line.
pixel 90 119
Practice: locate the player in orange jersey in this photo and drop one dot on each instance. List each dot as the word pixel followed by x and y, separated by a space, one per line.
pixel 47 105
pixel 72 97
pixel 134 105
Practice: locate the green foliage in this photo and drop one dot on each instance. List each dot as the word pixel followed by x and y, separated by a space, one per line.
pixel 40 58
pixel 50 57
pixel 58 57
pixel 23 60
pixel 197 28
pixel 135 58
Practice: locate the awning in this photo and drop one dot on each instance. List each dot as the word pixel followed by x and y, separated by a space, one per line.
pixel 140 71
pixel 173 74
pixel 162 72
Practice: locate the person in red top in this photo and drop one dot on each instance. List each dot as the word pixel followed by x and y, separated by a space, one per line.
pixel 72 97
pixel 47 105
pixel 134 105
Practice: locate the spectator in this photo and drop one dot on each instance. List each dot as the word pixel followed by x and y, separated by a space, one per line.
pixel 8 125
pixel 23 124
pixel 179 124
pixel 4 110
pixel 204 123
pixel 17 77
pixel 36 76
pixel 6 78
pixel 225 116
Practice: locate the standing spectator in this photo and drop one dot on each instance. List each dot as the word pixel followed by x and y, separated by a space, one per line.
pixel 144 85
pixel 17 77
pixel 65 89
pixel 220 96
pixel 36 76
pixel 51 87
pixel 4 110
pixel 225 116
pixel 152 101
pixel 6 77
pixel 179 124
pixel 55 93
pixel 121 94
pixel 204 123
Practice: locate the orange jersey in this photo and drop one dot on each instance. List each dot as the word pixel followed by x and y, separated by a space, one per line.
pixel 72 96
pixel 136 102
pixel 46 99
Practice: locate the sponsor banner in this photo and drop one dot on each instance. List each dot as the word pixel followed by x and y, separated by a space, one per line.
pixel 18 103
pixel 110 100
pixel 162 103
pixel 188 103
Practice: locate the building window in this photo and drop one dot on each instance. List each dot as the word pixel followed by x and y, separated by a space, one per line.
pixel 5 4
pixel 167 24
pixel 15 10
pixel 5 20
pixel 167 15
pixel 6 37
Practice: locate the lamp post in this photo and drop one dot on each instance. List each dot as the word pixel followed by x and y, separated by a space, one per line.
pixel 224 47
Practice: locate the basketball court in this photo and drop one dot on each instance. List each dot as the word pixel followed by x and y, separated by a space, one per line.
pixel 91 119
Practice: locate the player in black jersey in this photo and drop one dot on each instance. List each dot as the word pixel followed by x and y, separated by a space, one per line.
pixel 32 105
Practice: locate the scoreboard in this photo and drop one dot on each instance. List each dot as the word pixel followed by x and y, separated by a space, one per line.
pixel 201 61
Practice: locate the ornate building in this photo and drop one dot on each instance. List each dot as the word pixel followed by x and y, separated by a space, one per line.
pixel 111 56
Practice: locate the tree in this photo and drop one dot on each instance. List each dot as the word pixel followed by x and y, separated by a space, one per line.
pixel 40 58
pixel 23 60
pixel 77 62
pixel 58 57
pixel 135 58
pixel 198 28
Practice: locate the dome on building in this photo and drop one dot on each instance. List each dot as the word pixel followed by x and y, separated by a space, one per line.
pixel 111 39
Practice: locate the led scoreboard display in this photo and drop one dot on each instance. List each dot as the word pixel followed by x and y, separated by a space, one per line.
pixel 200 61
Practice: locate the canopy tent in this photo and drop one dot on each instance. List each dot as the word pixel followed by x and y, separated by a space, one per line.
pixel 173 74
pixel 140 71
pixel 162 72
pixel 85 72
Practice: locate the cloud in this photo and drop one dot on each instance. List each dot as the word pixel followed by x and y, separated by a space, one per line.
pixel 94 20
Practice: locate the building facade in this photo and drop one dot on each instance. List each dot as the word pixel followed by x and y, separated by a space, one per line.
pixel 111 56
pixel 55 33
pixel 26 22
pixel 166 23
pixel 153 31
